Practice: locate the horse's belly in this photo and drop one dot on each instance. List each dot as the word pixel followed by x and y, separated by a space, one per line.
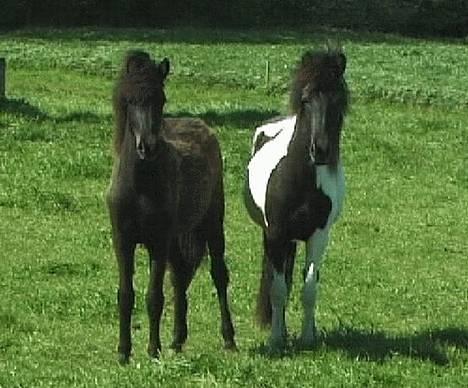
pixel 193 207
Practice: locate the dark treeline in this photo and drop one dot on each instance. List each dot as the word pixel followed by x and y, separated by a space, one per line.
pixel 419 17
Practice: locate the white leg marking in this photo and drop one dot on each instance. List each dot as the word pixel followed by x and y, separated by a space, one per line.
pixel 278 297
pixel 315 249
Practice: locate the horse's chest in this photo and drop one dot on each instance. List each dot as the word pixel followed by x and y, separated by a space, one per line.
pixel 151 219
pixel 147 208
pixel 332 183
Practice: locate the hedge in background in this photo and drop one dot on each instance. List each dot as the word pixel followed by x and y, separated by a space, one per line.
pixel 419 17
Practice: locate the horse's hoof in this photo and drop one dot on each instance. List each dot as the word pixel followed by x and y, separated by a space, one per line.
pixel 123 358
pixel 307 344
pixel 276 346
pixel 176 347
pixel 154 352
pixel 231 346
pixel 309 339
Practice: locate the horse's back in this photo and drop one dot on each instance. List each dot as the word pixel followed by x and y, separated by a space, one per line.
pixel 200 167
pixel 188 130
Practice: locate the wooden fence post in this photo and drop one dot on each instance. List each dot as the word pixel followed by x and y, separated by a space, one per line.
pixel 2 78
pixel 267 73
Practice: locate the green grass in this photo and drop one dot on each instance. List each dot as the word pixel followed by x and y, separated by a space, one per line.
pixel 393 298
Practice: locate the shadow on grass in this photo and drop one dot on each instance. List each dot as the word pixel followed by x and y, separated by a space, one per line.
pixel 429 345
pixel 82 117
pixel 21 107
pixel 377 346
pixel 249 118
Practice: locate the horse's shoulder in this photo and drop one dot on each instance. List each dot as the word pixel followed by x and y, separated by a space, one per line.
pixel 270 130
pixel 194 143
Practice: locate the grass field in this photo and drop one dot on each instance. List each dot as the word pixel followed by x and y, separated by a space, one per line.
pixel 393 304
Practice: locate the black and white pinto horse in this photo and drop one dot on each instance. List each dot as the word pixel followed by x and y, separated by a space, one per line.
pixel 295 187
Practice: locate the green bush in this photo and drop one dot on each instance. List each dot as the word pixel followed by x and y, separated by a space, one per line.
pixel 419 17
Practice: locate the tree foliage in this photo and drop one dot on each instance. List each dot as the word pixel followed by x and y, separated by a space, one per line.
pixel 423 17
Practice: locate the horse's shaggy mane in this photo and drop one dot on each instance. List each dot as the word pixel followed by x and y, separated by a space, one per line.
pixel 323 71
pixel 141 83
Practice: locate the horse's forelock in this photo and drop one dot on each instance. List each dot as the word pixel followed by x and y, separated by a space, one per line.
pixel 140 82
pixel 321 68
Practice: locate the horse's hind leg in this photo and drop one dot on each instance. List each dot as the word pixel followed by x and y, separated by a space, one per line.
pixel 181 278
pixel 315 249
pixel 289 265
pixel 220 275
pixel 180 283
pixel 125 295
pixel 277 251
pixel 155 295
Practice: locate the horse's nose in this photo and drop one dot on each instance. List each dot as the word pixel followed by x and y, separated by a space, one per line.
pixel 146 147
pixel 141 148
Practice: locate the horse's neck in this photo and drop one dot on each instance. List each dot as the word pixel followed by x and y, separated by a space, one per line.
pixel 134 173
pixel 127 158
pixel 300 144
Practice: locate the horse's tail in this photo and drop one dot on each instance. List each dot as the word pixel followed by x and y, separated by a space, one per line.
pixel 263 298
pixel 264 312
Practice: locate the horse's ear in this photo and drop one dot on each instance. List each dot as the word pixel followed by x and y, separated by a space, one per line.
pixel 164 67
pixel 341 62
pixel 336 49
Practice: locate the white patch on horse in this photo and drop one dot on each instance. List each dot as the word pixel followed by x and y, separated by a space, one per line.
pixel 332 182
pixel 267 158
pixel 270 130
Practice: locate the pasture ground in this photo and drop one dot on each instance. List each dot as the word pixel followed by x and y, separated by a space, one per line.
pixel 393 304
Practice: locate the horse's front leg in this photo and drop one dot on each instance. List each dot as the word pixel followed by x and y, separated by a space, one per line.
pixel 125 295
pixel 158 254
pixel 315 248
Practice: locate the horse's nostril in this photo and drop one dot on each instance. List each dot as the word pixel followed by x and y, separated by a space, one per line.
pixel 141 147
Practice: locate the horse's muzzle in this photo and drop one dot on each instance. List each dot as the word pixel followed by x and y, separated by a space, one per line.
pixel 145 150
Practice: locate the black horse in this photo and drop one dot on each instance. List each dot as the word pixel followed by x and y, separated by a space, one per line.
pixel 295 187
pixel 166 193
